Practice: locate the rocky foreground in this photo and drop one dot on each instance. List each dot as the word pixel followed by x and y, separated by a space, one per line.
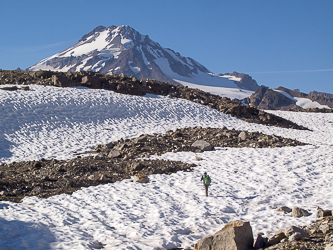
pixel 238 235
pixel 132 86
pixel 122 159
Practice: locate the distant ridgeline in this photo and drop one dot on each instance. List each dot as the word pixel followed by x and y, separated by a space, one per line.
pixel 133 86
pixel 285 99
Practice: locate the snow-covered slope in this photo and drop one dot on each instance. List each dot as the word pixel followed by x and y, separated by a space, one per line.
pixel 121 49
pixel 303 102
pixel 171 210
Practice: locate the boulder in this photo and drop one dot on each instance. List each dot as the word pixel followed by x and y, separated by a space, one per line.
pixel 142 138
pixel 243 136
pixel 323 213
pixel 3 193
pixel 62 81
pixel 299 212
pixel 93 82
pixel 288 231
pixel 137 166
pixel 141 178
pixel 91 177
pixel 114 154
pixel 275 239
pixel 324 228
pixel 296 237
pixel 284 209
pixel 235 235
pixel 103 178
pixel 202 145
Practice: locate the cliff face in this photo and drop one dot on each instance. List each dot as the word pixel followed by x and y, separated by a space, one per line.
pixel 266 98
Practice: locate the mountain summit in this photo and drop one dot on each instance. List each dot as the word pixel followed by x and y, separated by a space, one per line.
pixel 121 49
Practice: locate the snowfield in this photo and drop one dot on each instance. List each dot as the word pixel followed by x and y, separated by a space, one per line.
pixel 171 210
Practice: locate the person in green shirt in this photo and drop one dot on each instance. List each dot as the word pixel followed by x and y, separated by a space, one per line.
pixel 206 181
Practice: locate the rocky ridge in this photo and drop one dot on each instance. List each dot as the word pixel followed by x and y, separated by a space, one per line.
pixel 122 159
pixel 133 86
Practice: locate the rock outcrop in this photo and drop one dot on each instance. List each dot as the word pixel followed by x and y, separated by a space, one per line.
pixel 266 98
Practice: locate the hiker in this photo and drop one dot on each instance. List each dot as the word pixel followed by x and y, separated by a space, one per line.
pixel 206 181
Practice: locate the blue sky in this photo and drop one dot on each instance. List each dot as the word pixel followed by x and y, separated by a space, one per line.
pixel 278 42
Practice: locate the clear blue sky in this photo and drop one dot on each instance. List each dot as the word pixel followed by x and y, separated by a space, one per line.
pixel 278 42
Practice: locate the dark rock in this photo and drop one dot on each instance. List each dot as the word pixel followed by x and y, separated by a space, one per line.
pixel 137 166
pixel 62 81
pixel 323 213
pixel 14 88
pixel 284 209
pixel 93 82
pixel 299 212
pixel 275 239
pixel 260 242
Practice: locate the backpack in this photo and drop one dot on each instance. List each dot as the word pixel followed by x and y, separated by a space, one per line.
pixel 207 179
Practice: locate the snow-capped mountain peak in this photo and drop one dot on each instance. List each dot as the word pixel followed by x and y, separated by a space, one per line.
pixel 122 49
